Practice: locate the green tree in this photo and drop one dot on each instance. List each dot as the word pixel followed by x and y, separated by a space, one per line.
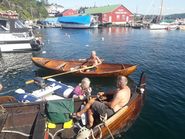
pixel 27 9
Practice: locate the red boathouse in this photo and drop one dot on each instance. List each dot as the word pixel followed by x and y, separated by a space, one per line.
pixel 68 12
pixel 115 14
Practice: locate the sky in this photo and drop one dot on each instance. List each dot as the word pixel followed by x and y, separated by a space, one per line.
pixel 139 6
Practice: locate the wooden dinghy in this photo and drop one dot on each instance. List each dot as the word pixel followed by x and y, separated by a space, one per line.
pixel 22 121
pixel 103 70
pixel 118 123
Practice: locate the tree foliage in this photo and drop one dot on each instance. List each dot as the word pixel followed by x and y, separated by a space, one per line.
pixel 27 9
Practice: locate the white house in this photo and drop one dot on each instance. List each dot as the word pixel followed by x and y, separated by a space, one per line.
pixel 53 9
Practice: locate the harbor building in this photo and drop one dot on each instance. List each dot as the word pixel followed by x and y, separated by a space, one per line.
pixel 114 14
pixel 68 12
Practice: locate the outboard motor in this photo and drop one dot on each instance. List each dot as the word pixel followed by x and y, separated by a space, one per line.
pixel 35 45
pixel 40 82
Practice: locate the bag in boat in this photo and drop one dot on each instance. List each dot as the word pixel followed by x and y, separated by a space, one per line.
pixel 58 111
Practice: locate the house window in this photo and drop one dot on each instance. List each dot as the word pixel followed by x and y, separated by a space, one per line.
pixel 123 17
pixel 117 17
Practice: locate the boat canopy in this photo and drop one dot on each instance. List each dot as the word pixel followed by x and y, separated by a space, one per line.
pixel 51 20
pixel 75 19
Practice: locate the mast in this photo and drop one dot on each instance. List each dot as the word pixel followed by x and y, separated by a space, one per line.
pixel 161 11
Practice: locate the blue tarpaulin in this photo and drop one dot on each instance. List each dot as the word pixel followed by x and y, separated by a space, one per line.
pixel 75 19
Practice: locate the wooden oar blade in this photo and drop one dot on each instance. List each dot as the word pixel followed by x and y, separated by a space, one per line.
pixel 29 82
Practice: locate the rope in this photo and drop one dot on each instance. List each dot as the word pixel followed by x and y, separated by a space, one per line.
pixel 57 132
pixel 92 133
pixel 53 136
pixel 103 119
pixel 109 131
pixel 17 132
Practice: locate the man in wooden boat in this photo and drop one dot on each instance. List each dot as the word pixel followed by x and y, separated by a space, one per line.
pixel 93 60
pixel 82 90
pixel 121 97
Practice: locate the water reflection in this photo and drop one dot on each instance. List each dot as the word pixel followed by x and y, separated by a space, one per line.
pixel 110 30
pixel 158 33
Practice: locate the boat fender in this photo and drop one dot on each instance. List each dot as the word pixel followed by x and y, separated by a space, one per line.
pixel 83 133
pixel 142 90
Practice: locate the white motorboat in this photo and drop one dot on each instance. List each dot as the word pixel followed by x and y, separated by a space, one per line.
pixel 14 37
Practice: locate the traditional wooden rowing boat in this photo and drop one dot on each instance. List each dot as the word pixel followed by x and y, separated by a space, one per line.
pixel 120 122
pixel 103 70
pixel 20 120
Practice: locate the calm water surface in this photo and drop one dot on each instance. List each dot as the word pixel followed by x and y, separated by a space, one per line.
pixel 160 53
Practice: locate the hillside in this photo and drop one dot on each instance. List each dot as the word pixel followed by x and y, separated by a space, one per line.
pixel 175 16
pixel 27 9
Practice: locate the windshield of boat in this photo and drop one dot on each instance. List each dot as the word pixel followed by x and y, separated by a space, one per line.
pixel 19 24
pixel 4 25
pixel 3 29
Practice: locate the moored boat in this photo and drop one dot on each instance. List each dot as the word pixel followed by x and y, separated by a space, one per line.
pixel 163 26
pixel 22 116
pixel 158 26
pixel 182 27
pixel 15 37
pixel 103 70
pixel 172 27
pixel 79 22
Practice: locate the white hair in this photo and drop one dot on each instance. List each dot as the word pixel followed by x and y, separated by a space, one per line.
pixel 122 81
pixel 93 52
pixel 85 82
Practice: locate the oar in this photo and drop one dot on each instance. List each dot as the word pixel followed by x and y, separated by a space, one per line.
pixel 63 73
